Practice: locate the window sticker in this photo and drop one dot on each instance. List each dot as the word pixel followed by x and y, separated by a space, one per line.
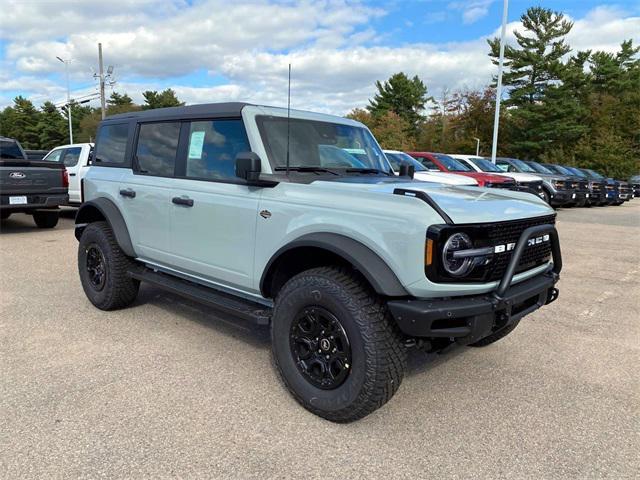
pixel 195 145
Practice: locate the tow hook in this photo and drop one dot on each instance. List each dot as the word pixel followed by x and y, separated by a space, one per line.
pixel 552 296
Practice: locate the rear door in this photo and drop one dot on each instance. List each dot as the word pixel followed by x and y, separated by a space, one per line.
pixel 214 212
pixel 146 189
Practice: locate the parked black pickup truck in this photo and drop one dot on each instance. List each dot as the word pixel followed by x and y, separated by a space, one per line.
pixel 31 186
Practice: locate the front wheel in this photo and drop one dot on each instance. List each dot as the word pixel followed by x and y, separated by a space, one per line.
pixel 336 347
pixel 546 197
pixel 46 219
pixel 104 267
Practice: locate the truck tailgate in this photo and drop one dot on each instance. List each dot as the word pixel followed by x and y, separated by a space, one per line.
pixel 24 176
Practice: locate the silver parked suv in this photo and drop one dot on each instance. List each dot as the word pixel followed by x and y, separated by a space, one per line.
pixel 299 223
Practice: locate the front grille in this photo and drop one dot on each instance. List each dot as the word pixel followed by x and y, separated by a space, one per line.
pixel 532 185
pixel 596 187
pixel 509 232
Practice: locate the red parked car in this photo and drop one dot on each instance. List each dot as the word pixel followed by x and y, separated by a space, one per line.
pixel 444 163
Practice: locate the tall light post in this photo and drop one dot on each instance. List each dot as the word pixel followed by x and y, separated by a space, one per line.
pixel 496 119
pixel 477 146
pixel 66 67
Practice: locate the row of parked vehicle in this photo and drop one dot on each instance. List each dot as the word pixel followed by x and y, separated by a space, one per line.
pixel 299 221
pixel 559 186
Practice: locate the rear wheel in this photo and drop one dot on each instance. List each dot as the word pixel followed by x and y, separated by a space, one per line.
pixel 46 219
pixel 336 347
pixel 103 268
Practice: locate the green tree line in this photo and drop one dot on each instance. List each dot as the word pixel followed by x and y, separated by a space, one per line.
pixel 579 108
pixel 48 127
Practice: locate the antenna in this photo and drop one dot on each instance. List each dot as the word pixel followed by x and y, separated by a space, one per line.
pixel 288 117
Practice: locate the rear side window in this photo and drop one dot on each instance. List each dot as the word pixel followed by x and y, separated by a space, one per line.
pixel 54 156
pixel 10 149
pixel 157 148
pixel 212 148
pixel 71 156
pixel 428 163
pixel 112 144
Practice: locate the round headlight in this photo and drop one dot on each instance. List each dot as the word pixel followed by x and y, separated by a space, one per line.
pixel 457 267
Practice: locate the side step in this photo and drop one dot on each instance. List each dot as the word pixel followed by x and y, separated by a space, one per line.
pixel 223 302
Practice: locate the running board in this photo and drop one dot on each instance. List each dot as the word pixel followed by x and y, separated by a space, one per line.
pixel 222 302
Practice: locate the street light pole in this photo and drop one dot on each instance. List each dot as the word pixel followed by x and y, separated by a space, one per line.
pixel 496 119
pixel 477 146
pixel 66 67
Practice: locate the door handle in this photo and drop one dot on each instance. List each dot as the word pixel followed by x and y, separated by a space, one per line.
pixel 128 193
pixel 187 202
pixel 72 174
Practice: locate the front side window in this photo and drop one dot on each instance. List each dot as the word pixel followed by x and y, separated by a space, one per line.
pixel 157 148
pixel 213 146
pixel 317 144
pixel 112 144
pixel 526 167
pixel 535 167
pixel 71 156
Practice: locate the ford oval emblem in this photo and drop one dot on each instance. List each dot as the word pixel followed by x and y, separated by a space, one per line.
pixel 17 175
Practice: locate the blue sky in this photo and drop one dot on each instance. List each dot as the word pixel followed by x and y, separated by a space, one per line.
pixel 215 50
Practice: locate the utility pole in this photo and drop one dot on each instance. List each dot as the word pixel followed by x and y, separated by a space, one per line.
pixel 66 67
pixel 496 119
pixel 103 106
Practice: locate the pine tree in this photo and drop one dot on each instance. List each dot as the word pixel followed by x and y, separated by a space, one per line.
pixel 533 78
pixel 166 98
pixel 404 96
pixel 20 122
pixel 52 127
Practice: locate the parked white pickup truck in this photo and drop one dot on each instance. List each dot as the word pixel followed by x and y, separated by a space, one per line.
pixel 397 159
pixel 75 158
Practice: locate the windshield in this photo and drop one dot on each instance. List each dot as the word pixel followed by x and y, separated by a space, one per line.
pixel 575 171
pixel 10 149
pixel 561 169
pixel 451 163
pixel 595 174
pixel 315 144
pixel 397 159
pixel 539 168
pixel 485 165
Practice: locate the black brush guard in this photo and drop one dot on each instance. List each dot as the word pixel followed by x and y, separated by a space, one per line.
pixel 468 319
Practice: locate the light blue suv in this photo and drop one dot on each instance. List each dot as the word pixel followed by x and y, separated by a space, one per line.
pixel 296 220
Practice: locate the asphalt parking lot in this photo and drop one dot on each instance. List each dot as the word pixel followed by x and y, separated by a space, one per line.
pixel 168 389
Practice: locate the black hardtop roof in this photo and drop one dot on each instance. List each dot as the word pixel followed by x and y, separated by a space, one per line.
pixel 227 109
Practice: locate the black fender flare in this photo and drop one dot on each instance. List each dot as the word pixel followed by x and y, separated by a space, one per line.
pixel 381 277
pixel 103 208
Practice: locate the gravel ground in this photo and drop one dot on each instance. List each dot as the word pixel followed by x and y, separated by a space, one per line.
pixel 168 389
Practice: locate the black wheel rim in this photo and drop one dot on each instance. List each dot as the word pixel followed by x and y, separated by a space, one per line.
pixel 96 267
pixel 320 348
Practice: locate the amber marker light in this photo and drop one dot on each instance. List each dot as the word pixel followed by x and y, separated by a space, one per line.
pixel 428 252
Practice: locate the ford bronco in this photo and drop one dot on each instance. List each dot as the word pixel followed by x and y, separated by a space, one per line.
pixel 297 221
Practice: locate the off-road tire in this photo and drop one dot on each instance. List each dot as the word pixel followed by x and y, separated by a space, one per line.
pixel 378 353
pixel 494 337
pixel 46 219
pixel 119 289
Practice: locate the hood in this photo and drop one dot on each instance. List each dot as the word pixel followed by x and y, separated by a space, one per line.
pixel 556 176
pixel 446 178
pixel 462 204
pixel 485 177
pixel 521 177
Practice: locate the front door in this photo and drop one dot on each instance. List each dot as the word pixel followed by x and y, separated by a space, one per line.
pixel 71 160
pixel 214 212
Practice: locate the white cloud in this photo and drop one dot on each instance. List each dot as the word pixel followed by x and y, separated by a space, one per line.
pixel 335 52
pixel 472 10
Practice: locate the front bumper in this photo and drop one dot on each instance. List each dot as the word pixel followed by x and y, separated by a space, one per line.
pixel 561 197
pixel 468 319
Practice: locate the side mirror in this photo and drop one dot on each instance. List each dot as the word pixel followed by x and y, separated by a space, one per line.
pixel 248 166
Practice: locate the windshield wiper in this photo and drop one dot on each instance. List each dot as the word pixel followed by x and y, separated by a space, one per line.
pixel 366 170
pixel 307 169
